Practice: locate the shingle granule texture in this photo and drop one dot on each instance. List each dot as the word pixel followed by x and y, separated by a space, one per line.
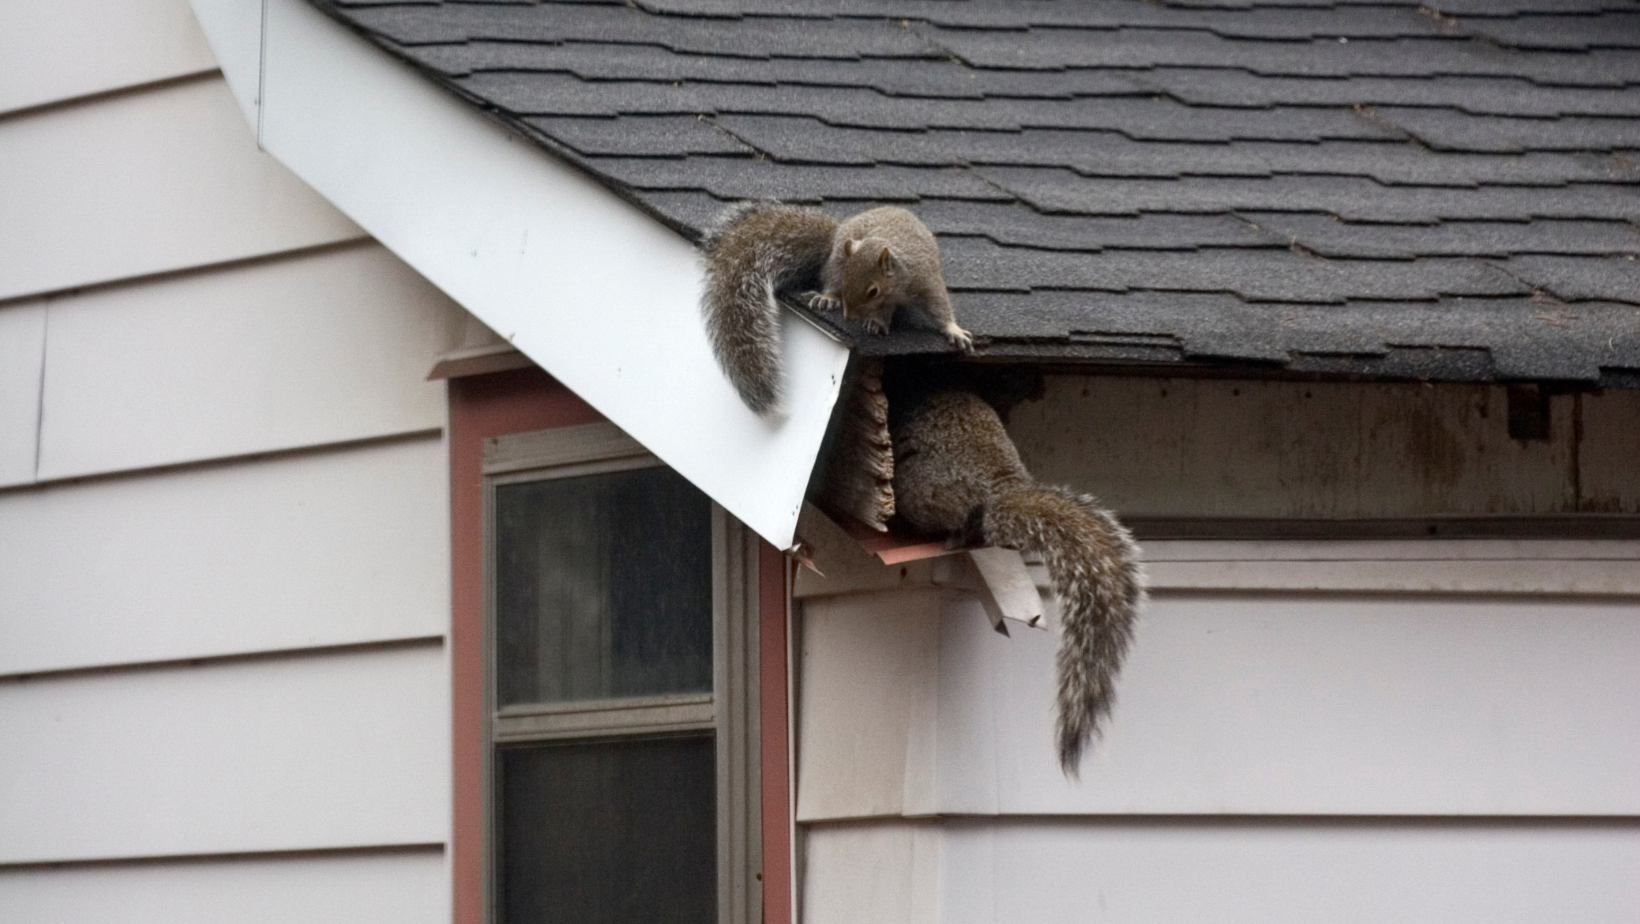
pixel 1443 192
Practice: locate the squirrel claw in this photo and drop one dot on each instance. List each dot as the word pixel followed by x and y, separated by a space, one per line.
pixel 820 301
pixel 960 338
pixel 873 324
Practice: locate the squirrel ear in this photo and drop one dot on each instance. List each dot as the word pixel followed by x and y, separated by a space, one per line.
pixel 849 247
pixel 885 260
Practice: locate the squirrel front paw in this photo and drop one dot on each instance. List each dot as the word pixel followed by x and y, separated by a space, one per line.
pixel 820 301
pixel 960 338
pixel 874 324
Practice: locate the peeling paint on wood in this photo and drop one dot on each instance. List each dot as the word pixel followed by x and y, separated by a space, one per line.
pixel 1196 447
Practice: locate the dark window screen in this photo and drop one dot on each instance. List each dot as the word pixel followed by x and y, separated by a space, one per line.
pixel 614 832
pixel 603 588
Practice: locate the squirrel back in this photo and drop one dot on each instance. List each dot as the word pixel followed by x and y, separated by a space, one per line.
pixel 756 250
pixel 957 472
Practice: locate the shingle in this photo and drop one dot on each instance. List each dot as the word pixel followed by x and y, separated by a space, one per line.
pixel 1445 130
pixel 686 208
pixel 1252 275
pixel 1331 237
pixel 1139 118
pixel 1444 195
pixel 1108 154
pixel 746 178
pixel 581 22
pixel 1206 86
pixel 1613 30
pixel 1511 96
pixel 1049 49
pixel 1063 192
pixel 1613 279
pixel 938 78
pixel 1012 224
pixel 639 136
pixel 1274 20
pixel 1454 7
pixel 1511 338
pixel 1514 7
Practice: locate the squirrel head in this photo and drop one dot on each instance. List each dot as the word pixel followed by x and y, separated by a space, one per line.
pixel 870 272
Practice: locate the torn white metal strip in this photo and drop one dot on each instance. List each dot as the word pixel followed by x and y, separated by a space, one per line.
pixel 1005 588
pixel 598 294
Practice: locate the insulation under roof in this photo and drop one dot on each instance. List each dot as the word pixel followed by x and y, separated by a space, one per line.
pixel 1312 187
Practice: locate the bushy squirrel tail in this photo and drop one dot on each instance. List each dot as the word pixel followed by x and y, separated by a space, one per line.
pixel 756 250
pixel 1093 565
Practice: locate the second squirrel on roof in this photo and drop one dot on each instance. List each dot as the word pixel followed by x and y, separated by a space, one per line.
pixel 868 265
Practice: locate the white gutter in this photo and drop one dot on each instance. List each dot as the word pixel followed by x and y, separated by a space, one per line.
pixel 597 293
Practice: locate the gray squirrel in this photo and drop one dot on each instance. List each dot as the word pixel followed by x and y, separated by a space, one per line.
pixel 956 472
pixel 868 265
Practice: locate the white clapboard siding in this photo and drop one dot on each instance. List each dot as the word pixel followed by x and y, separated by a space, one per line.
pixel 386 888
pixel 1244 703
pixel 22 348
pixel 68 48
pixel 142 183
pixel 885 871
pixel 328 548
pixel 286 353
pixel 349 749
pixel 1263 871
pixel 870 705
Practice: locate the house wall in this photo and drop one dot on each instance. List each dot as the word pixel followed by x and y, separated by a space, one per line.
pixel 1328 729
pixel 224 565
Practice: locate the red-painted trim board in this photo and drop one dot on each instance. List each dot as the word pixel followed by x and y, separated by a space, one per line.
pixel 773 716
pixel 483 407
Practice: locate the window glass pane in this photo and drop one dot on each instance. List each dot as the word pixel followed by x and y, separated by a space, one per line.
pixel 603 587
pixel 613 832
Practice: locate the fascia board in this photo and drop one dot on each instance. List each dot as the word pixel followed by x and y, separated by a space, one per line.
pixel 233 29
pixel 600 295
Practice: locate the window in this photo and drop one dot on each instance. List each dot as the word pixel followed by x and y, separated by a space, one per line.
pixel 621 684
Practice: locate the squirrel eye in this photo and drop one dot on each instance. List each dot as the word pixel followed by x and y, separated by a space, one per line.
pixel 871 292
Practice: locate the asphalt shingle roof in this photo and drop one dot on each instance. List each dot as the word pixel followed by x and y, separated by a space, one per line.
pixel 1448 191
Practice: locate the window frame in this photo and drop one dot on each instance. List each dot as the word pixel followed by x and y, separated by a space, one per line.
pixel 751 663
pixel 574 452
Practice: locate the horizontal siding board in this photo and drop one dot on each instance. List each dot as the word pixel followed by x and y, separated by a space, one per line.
pixel 68 48
pixel 882 872
pixel 1602 578
pixel 276 355
pixel 142 183
pixel 1142 871
pixel 330 548
pixel 1248 702
pixel 871 670
pixel 388 888
pixel 22 349
pixel 1300 874
pixel 1444 551
pixel 340 750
